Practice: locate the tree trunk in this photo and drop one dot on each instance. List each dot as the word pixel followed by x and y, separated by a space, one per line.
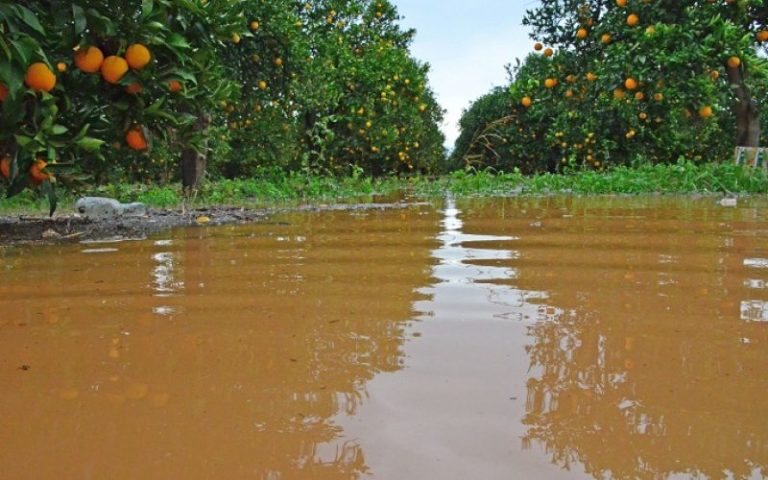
pixel 193 163
pixel 745 109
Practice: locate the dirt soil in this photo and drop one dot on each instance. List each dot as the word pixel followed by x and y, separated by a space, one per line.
pixel 75 228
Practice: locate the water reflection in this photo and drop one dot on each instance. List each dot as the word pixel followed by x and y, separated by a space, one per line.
pixel 234 363
pixel 652 365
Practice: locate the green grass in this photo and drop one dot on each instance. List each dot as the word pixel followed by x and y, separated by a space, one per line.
pixel 679 178
pixel 278 188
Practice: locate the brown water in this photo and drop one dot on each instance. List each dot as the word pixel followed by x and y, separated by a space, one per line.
pixel 495 339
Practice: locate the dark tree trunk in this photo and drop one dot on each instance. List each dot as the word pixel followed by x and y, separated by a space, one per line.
pixel 309 124
pixel 193 162
pixel 746 110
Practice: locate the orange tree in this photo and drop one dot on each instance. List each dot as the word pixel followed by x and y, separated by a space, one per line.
pixel 86 93
pixel 617 81
pixel 329 85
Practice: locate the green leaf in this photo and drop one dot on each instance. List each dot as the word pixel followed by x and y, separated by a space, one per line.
pixel 28 17
pixel 90 144
pixel 59 129
pixel 146 8
pixel 79 17
pixel 178 41
pixel 50 192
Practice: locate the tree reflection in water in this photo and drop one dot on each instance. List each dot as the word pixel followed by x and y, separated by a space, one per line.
pixel 221 353
pixel 650 370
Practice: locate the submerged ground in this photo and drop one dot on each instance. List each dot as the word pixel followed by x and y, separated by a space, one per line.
pixel 553 337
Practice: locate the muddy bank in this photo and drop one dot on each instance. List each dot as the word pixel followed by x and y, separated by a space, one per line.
pixel 74 228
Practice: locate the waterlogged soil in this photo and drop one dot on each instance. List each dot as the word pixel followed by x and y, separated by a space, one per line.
pixel 490 339
pixel 74 228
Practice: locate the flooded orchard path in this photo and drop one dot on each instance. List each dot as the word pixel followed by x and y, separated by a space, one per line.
pixel 494 339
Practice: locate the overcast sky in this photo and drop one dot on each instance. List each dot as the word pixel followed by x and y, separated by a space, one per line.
pixel 467 43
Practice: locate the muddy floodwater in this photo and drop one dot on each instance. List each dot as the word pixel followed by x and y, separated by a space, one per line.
pixel 477 339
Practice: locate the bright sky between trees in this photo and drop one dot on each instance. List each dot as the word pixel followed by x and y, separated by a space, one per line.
pixel 467 44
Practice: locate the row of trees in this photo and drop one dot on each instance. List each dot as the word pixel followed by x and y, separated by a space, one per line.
pixel 612 81
pixel 324 85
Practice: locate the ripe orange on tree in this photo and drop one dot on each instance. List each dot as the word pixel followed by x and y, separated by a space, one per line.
pixel 137 56
pixel 550 83
pixel 114 69
pixel 606 38
pixel 762 36
pixel 61 67
pixel 174 86
pixel 37 173
pixel 633 20
pixel 705 111
pixel 658 97
pixel 5 166
pixel 538 46
pixel 40 78
pixel 89 59
pixel 549 52
pixel 581 33
pixel 591 77
pixel 621 3
pixel 526 102
pixel 135 139
pixel 734 62
pixel 630 84
pixel 134 88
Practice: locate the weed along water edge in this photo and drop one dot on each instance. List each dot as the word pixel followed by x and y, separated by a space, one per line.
pixel 554 337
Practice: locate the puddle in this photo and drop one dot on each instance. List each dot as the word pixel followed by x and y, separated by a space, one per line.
pixel 494 339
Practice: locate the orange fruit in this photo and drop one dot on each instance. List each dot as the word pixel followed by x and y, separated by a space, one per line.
pixel 174 86
pixel 581 33
pixel 40 78
pixel 618 94
pixel 714 75
pixel 137 56
pixel 254 25
pixel 705 111
pixel 549 52
pixel 134 88
pixel 37 175
pixel 633 20
pixel 279 62
pixel 591 77
pixel 5 167
pixel 621 3
pixel 135 139
pixel 538 46
pixel 3 92
pixel 262 85
pixel 606 38
pixel 235 38
pixel 89 59
pixel 658 97
pixel 630 84
pixel 762 36
pixel 643 115
pixel 569 93
pixel 650 31
pixel 550 83
pixel 61 67
pixel 734 62
pixel 526 102
pixel 114 69
pixel 639 96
